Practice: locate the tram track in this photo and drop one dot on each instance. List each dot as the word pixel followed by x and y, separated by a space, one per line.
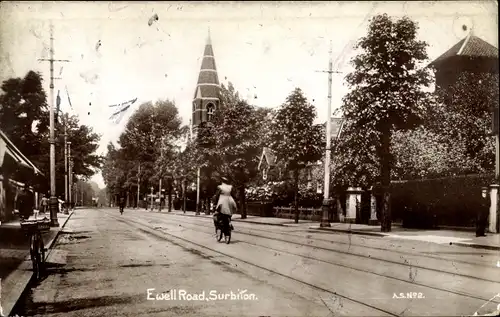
pixel 171 238
pixel 364 246
pixel 370 247
pixel 350 253
pixel 410 266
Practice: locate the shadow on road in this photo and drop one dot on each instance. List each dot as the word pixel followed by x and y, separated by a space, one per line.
pixel 77 304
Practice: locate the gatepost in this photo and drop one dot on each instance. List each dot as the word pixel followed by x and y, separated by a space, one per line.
pixel 493 214
pixel 353 198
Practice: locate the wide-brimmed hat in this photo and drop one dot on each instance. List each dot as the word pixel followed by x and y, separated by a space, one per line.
pixel 224 179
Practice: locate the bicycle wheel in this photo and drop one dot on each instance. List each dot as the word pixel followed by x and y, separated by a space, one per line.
pixel 41 247
pixel 35 256
pixel 32 247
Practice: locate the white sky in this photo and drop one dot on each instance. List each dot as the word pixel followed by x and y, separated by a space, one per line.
pixel 265 49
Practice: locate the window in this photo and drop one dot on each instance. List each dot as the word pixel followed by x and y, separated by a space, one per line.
pixel 210 111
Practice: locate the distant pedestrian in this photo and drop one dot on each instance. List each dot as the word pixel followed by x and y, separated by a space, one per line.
pixel 44 204
pixel 482 215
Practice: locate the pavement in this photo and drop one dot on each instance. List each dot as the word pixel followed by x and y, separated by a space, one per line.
pixel 139 264
pixel 15 263
pixel 452 237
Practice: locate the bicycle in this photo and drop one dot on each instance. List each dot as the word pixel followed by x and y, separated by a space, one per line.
pixel 33 229
pixel 223 229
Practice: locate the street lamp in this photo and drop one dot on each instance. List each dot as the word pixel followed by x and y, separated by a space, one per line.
pixel 68 177
pixel 152 188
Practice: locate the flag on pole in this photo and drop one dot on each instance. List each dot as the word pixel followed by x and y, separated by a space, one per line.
pixel 69 100
pixel 124 103
pixel 117 116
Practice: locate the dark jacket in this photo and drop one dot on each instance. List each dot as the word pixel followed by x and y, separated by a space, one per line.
pixel 25 203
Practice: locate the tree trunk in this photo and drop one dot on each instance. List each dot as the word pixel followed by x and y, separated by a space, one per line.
pixel 386 180
pixel 296 199
pixel 243 205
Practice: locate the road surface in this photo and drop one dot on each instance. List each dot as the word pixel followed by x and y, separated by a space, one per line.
pixel 159 264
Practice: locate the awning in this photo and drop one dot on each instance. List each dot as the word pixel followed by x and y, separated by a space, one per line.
pixel 8 148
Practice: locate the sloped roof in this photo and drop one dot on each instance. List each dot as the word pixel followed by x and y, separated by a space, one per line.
pixel 208 80
pixel 207 91
pixel 8 148
pixel 269 156
pixel 471 46
pixel 208 77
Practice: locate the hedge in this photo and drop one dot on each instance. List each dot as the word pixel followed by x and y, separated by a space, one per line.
pixel 451 201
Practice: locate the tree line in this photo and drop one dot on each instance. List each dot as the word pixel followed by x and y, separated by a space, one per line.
pixel 229 145
pixel 24 118
pixel 394 127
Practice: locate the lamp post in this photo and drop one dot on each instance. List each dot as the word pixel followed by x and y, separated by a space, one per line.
pixel 139 185
pixel 70 178
pixel 198 192
pixel 66 176
pixel 152 188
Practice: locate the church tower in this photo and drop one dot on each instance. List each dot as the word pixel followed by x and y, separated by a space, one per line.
pixel 206 97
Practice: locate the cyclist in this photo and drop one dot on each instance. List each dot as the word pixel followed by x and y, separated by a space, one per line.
pixel 226 205
pixel 121 204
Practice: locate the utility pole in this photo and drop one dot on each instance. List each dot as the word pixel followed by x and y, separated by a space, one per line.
pixel 161 173
pixel 191 137
pixel 53 198
pixel 70 185
pixel 66 176
pixel 159 195
pixel 326 190
pixel 138 185
pixel 152 188
pixel 198 192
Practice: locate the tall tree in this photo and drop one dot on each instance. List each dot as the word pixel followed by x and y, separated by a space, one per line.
pixel 238 145
pixel 24 115
pixel 386 91
pixel 149 141
pixel 295 138
pixel 463 118
pixel 454 139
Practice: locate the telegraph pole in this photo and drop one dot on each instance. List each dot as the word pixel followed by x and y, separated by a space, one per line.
pixel 152 188
pixel 198 192
pixel 161 172
pixel 138 185
pixel 66 177
pixel 53 198
pixel 197 173
pixel 70 181
pixel 326 190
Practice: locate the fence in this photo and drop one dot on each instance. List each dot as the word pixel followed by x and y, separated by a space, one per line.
pixel 447 201
pixel 304 213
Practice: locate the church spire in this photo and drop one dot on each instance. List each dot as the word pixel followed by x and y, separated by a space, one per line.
pixel 207 92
